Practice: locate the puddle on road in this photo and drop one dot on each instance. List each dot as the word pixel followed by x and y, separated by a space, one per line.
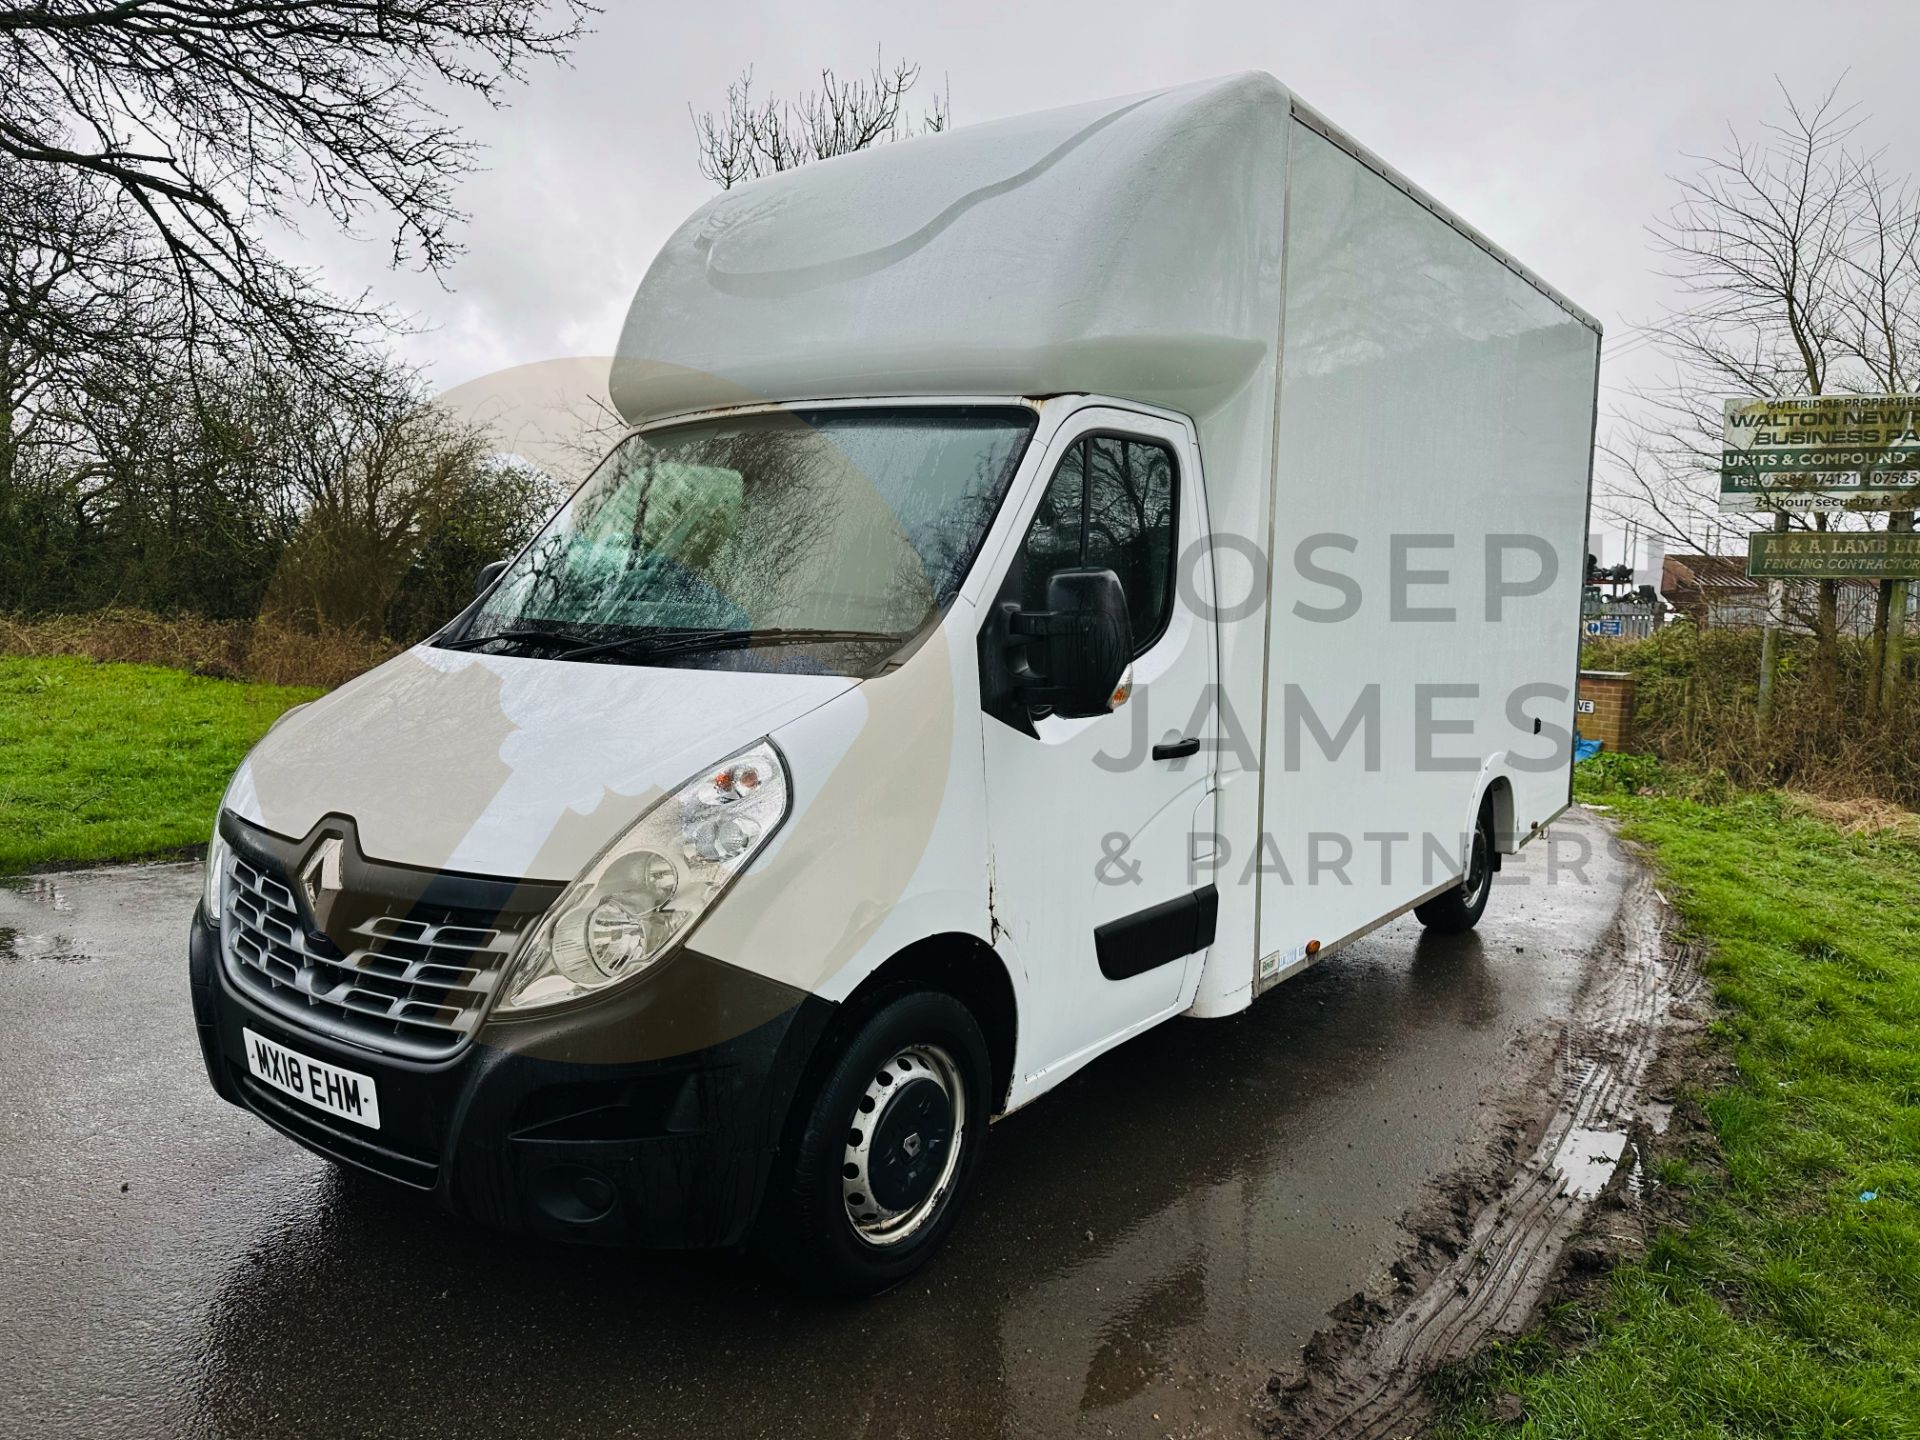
pixel 19 948
pixel 1587 1160
pixel 42 889
pixel 26 946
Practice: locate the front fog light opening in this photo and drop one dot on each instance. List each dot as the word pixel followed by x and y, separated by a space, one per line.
pixel 627 910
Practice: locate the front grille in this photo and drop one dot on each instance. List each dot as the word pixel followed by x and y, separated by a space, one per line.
pixel 414 984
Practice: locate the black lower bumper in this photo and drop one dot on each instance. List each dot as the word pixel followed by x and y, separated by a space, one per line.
pixel 649 1119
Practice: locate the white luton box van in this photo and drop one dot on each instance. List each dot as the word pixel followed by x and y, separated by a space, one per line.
pixel 1063 574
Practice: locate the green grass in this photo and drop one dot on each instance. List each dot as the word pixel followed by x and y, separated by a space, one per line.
pixel 1788 1305
pixel 115 762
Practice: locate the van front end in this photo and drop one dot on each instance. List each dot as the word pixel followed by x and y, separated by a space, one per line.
pixel 647 1116
pixel 644 904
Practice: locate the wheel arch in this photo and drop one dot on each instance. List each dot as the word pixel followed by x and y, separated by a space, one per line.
pixel 953 962
pixel 960 965
pixel 1493 790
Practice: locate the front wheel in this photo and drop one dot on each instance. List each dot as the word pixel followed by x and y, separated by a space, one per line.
pixel 1461 907
pixel 884 1151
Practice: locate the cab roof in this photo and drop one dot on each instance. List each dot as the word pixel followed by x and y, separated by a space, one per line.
pixel 1127 247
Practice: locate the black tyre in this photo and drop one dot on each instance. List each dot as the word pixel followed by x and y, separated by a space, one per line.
pixel 882 1150
pixel 1461 907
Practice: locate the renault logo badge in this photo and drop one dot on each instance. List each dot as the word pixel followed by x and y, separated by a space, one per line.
pixel 321 879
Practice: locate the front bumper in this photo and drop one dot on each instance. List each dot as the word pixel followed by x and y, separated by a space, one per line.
pixel 650 1117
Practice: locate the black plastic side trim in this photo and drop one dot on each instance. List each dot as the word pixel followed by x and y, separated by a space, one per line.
pixel 1158 935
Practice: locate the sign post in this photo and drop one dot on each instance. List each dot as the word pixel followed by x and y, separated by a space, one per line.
pixel 1770 636
pixel 1899 531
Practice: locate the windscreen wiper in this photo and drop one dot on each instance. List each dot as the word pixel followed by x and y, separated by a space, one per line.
pixel 525 635
pixel 689 642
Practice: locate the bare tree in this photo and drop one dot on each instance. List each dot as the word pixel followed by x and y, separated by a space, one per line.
pixel 753 137
pixel 1800 261
pixel 174 128
pixel 379 485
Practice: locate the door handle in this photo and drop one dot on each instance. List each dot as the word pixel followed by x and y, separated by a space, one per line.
pixel 1176 749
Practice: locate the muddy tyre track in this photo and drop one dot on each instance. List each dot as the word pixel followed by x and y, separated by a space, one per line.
pixel 1364 1377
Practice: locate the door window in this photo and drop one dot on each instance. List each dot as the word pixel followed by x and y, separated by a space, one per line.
pixel 1109 506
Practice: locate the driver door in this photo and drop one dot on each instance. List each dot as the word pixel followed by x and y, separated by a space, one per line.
pixel 1091 821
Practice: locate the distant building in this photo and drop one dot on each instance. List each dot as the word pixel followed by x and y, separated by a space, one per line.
pixel 1715 592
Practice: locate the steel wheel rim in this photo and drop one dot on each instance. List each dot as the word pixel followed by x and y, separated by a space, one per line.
pixel 1479 871
pixel 874 1221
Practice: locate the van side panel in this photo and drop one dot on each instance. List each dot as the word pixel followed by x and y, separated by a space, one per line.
pixel 1434 443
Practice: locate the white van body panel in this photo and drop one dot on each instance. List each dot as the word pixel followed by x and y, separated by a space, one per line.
pixel 885 845
pixel 1083 828
pixel 501 765
pixel 1130 248
pixel 1432 399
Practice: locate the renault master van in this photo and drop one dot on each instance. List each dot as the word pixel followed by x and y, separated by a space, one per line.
pixel 1061 575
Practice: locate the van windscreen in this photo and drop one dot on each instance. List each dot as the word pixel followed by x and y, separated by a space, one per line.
pixel 844 521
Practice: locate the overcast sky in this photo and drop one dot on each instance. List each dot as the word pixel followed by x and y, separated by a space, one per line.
pixel 1554 127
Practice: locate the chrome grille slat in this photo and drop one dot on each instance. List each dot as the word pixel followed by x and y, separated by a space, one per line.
pixel 407 986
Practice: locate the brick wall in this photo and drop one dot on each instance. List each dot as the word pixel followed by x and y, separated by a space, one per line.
pixel 1609 693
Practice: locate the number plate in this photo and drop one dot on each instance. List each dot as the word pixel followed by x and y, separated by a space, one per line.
pixel 345 1093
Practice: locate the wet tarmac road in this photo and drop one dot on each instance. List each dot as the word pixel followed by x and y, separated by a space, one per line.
pixel 1146 1243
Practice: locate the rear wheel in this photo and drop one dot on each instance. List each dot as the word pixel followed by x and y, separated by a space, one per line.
pixel 887 1143
pixel 1461 907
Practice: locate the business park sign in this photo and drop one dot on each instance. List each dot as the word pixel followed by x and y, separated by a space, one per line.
pixel 1824 452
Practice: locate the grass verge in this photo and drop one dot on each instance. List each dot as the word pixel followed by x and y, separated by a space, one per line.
pixel 114 762
pixel 1789 1304
pixel 265 651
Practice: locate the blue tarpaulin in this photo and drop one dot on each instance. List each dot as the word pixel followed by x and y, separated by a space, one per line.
pixel 1585 749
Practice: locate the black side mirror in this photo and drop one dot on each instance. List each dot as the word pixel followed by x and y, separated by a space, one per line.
pixel 488 574
pixel 1076 650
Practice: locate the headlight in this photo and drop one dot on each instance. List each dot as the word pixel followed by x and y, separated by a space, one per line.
pixel 217 851
pixel 645 890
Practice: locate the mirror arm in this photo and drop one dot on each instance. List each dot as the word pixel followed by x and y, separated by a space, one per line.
pixel 1038 687
pixel 1005 674
pixel 1024 625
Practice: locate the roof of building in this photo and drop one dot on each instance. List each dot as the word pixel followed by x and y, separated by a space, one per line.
pixel 1727 574
pixel 1713 572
